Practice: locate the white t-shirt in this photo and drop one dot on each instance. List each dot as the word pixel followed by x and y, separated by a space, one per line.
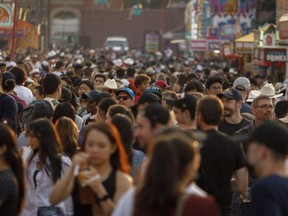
pixel 24 93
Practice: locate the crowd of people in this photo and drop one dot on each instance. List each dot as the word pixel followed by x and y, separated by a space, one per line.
pixel 104 133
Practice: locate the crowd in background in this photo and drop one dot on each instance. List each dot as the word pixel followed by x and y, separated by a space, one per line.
pixel 97 132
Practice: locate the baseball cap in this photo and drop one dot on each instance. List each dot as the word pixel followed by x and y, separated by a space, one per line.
pixel 231 94
pixel 43 107
pixel 7 76
pixel 162 84
pixel 147 98
pixel 272 135
pixel 186 102
pixel 241 84
pixel 127 91
pixel 92 95
pixel 155 90
pixel 156 114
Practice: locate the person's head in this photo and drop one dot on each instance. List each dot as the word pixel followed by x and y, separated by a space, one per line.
pixel 281 109
pixel 84 86
pixel 42 109
pixel 174 161
pixel 209 111
pixel 3 67
pixel 119 109
pixel 262 108
pixel 232 101
pixel 120 73
pixel 184 109
pixel 268 144
pixel 141 82
pixel 44 140
pixel 78 69
pixel 68 134
pixel 64 109
pixel 194 86
pixel 8 81
pixel 145 100
pixel 99 80
pixel 242 84
pixel 149 120
pixel 38 93
pixel 107 148
pixel 131 72
pixel 168 95
pixel 125 97
pixel 103 107
pixel 125 127
pixel 20 75
pixel 59 66
pixel 10 155
pixel 52 85
pixel 214 85
pixel 87 73
pixel 66 82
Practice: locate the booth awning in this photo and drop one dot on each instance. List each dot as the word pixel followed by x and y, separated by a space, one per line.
pixel 283 27
pixel 249 38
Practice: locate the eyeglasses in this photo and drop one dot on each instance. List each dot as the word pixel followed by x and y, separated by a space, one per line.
pixel 266 106
pixel 123 97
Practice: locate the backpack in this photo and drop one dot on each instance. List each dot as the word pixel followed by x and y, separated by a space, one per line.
pixel 27 113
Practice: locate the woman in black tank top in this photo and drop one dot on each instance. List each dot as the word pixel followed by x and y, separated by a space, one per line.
pixel 102 178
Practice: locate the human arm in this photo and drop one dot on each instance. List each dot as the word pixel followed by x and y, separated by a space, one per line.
pixel 64 187
pixel 240 184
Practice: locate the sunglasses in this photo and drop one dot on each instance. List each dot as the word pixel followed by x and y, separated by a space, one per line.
pixel 123 97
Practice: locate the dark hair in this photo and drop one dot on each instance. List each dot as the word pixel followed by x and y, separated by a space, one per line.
pixel 211 109
pixel 40 90
pixel 86 82
pixel 14 160
pixel 49 146
pixel 8 85
pixel 100 75
pixel 68 134
pixel 87 72
pixel 117 108
pixel 105 103
pixel 67 79
pixel 64 109
pixel 131 71
pixel 120 73
pixel 50 83
pixel 118 159
pixel 194 84
pixel 281 109
pixel 170 156
pixel 125 127
pixel 213 79
pixel 19 73
pixel 140 79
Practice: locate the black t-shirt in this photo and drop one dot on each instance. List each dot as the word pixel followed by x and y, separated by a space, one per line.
pixel 8 109
pixel 220 157
pixel 230 129
pixel 8 193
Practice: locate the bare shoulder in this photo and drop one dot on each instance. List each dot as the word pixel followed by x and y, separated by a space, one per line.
pixel 123 178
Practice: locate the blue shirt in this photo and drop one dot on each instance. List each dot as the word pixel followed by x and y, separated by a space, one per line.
pixel 269 196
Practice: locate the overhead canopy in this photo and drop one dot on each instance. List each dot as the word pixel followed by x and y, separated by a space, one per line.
pixel 284 18
pixel 246 38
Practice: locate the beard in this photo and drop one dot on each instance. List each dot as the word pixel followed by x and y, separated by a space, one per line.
pixel 227 112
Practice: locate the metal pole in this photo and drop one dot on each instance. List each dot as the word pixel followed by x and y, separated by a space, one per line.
pixel 13 30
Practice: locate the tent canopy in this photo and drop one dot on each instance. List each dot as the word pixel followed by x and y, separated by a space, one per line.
pixel 246 38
